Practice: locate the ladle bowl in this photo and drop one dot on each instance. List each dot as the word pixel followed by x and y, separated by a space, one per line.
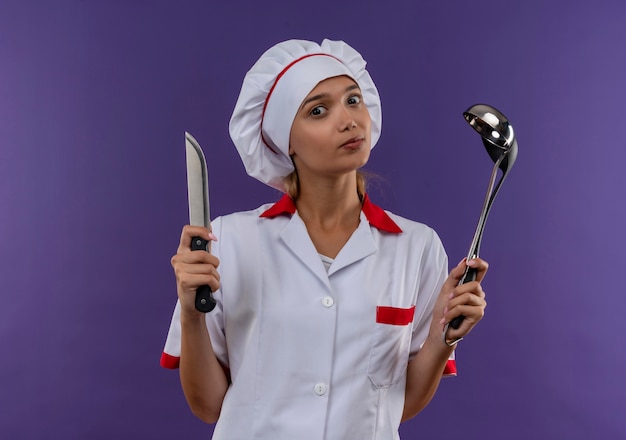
pixel 497 133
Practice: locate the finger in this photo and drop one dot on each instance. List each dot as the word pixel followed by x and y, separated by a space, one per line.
pixel 184 269
pixel 472 313
pixel 473 287
pixel 190 282
pixel 455 275
pixel 480 265
pixel 467 299
pixel 458 300
pixel 192 263
pixel 466 294
pixel 195 257
pixel 189 232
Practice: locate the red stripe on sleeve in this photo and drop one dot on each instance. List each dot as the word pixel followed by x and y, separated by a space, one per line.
pixel 450 369
pixel 168 361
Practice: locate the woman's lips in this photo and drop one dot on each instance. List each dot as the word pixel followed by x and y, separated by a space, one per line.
pixel 353 144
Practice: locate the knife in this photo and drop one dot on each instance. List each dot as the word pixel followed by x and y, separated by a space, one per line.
pixel 199 215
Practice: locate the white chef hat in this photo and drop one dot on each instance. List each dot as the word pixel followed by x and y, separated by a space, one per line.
pixel 272 92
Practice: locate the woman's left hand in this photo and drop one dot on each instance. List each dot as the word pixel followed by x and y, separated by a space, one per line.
pixel 455 300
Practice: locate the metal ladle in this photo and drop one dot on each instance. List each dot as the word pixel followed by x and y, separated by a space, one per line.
pixel 499 140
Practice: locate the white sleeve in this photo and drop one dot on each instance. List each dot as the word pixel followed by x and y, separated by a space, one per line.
pixel 170 357
pixel 433 273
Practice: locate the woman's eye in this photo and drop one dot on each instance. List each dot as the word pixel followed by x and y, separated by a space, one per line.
pixel 354 99
pixel 317 111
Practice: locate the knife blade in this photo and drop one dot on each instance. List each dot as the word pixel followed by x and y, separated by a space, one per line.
pixel 199 212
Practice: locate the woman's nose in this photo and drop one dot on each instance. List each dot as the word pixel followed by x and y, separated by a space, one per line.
pixel 347 121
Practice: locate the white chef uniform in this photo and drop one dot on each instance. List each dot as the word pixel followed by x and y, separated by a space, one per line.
pixel 316 353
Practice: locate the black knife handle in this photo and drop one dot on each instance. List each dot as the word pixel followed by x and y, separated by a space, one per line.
pixel 469 275
pixel 204 297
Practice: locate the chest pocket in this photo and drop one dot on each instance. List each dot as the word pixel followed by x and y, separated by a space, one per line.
pixel 389 353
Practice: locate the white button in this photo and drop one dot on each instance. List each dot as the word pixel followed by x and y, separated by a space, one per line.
pixel 328 301
pixel 320 389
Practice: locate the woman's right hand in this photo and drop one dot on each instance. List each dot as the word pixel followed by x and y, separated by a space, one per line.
pixel 194 268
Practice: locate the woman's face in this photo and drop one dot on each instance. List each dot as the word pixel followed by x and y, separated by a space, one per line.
pixel 331 132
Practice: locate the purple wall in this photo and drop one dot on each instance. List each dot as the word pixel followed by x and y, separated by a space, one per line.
pixel 94 100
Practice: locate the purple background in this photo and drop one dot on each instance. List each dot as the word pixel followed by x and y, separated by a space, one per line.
pixel 94 100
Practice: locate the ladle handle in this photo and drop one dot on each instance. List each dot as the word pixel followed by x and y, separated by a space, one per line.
pixel 469 275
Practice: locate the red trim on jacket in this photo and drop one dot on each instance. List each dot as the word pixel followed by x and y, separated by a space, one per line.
pixel 284 206
pixel 375 215
pixel 450 369
pixel 169 361
pixel 394 315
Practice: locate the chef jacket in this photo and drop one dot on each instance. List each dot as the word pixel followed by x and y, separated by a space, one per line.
pixel 318 353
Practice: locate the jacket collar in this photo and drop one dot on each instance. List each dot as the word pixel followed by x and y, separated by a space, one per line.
pixel 375 215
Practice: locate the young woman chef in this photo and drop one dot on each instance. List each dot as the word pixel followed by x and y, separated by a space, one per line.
pixel 331 312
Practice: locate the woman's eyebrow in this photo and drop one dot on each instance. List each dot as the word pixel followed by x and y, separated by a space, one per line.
pixel 314 98
pixel 326 95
